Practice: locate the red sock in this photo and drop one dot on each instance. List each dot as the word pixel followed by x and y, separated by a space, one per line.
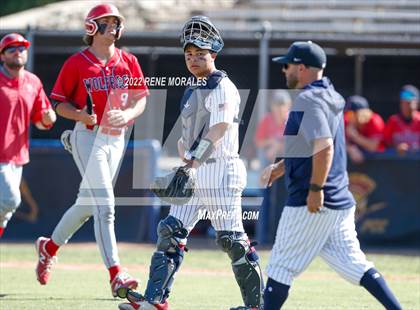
pixel 113 271
pixel 1 231
pixel 51 247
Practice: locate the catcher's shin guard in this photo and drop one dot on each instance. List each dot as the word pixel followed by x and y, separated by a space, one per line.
pixel 245 266
pixel 166 260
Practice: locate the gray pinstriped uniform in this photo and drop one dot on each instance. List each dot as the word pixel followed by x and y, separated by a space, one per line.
pixel 219 183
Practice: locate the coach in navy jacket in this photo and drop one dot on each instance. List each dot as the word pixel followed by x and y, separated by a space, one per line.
pixel 318 218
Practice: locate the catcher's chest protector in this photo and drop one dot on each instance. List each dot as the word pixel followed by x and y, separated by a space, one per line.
pixel 195 117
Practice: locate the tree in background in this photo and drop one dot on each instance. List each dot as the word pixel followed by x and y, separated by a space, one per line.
pixel 12 6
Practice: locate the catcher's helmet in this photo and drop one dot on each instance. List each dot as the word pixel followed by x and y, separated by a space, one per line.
pixel 201 32
pixel 102 10
pixel 13 39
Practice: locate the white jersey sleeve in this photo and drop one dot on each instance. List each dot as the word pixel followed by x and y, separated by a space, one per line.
pixel 223 103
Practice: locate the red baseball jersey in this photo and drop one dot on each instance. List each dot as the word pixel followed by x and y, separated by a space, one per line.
pixel 22 100
pixel 111 86
pixel 397 131
pixel 373 129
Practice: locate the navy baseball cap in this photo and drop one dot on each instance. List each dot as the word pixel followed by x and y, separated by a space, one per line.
pixel 307 53
pixel 409 92
pixel 356 102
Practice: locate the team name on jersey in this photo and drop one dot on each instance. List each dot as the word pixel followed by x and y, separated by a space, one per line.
pixel 100 83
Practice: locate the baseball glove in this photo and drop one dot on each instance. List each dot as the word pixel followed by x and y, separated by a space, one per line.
pixel 177 187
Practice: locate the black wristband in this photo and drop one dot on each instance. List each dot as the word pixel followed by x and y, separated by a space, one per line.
pixel 315 187
pixel 55 103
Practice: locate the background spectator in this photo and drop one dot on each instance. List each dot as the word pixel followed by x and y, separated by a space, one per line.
pixel 364 129
pixel 402 130
pixel 269 133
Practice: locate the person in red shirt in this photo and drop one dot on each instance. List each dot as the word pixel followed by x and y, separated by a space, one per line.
pixel 23 101
pixel 101 89
pixel 364 129
pixel 402 130
pixel 269 134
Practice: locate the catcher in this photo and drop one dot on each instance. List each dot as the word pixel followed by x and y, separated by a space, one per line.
pixel 212 180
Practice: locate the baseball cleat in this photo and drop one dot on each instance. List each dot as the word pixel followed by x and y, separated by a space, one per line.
pixel 123 280
pixel 45 261
pixel 143 305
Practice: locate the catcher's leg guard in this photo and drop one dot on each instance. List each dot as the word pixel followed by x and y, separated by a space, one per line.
pixel 166 260
pixel 245 266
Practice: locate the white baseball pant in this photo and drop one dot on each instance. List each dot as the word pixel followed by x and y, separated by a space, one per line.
pixel 302 235
pixel 97 155
pixel 219 191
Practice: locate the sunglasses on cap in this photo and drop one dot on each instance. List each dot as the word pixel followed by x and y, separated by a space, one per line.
pixel 407 95
pixel 12 49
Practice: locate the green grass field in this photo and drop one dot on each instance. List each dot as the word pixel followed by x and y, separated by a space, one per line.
pixel 79 281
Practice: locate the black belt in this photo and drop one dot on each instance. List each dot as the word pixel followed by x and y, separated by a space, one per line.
pixel 211 161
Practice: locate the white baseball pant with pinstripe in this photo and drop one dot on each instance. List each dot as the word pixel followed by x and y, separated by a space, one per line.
pixel 97 156
pixel 219 183
pixel 218 191
pixel 301 236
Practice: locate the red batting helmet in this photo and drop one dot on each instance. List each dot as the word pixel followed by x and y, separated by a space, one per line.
pixel 13 39
pixel 102 10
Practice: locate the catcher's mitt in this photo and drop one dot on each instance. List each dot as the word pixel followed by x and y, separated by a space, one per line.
pixel 177 187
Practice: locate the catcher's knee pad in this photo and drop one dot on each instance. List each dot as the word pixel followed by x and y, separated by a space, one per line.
pixel 245 265
pixel 166 260
pixel 170 231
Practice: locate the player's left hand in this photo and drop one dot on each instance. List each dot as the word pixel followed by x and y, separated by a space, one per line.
pixel 315 201
pixel 118 118
pixel 48 117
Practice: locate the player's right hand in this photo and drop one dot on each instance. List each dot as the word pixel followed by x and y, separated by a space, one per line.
pixel 87 119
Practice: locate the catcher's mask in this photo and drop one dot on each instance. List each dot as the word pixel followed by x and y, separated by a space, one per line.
pixel 102 10
pixel 201 32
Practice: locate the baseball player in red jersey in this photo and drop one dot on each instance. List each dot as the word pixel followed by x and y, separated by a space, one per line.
pixel 402 130
pixel 23 100
pixel 99 74
pixel 363 129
